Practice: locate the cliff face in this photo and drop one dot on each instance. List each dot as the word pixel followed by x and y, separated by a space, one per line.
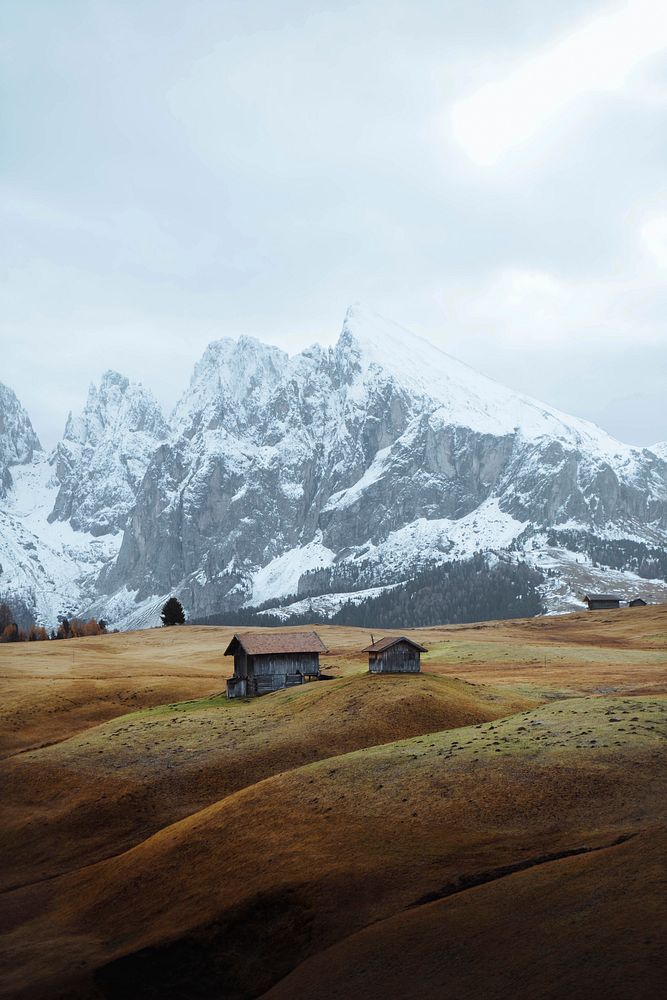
pixel 348 455
pixel 104 453
pixel 366 462
pixel 18 441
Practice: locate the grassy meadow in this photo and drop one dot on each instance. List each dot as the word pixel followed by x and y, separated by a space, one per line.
pixel 492 827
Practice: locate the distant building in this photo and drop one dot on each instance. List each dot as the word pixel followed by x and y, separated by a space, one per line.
pixel 394 655
pixel 637 602
pixel 268 661
pixel 602 602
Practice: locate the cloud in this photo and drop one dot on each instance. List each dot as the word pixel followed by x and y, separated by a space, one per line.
pixel 654 235
pixel 598 56
pixel 256 167
pixel 514 308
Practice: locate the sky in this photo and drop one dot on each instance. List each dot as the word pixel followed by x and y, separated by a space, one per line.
pixel 490 175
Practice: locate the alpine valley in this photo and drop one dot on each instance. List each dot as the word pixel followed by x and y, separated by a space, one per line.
pixel 348 483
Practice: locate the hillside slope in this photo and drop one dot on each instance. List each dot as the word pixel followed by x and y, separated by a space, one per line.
pixel 51 691
pixel 105 790
pixel 497 939
pixel 339 845
pixel 203 848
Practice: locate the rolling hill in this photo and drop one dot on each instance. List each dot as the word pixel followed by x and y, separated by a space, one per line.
pixel 490 827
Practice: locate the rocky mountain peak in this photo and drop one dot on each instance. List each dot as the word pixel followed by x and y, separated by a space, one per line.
pixel 338 470
pixel 232 378
pixel 104 454
pixel 384 350
pixel 115 407
pixel 18 441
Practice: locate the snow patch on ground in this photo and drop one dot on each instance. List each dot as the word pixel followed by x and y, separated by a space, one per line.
pixel 48 565
pixel 425 542
pixel 327 604
pixel 281 576
pixel 577 576
pixel 345 498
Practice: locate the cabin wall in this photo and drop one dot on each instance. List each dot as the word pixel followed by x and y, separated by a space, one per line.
pixel 286 663
pixel 241 662
pixel 255 675
pixel 399 659
pixel 237 687
pixel 603 605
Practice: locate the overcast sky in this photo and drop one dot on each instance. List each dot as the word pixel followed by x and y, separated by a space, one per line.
pixel 489 173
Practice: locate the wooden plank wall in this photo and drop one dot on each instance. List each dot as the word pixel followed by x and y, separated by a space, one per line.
pixel 286 663
pixel 398 659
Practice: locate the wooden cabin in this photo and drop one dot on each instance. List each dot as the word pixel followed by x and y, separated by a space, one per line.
pixel 395 654
pixel 602 602
pixel 637 602
pixel 268 661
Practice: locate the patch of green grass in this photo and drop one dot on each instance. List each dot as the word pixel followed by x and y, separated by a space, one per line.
pixel 526 654
pixel 590 725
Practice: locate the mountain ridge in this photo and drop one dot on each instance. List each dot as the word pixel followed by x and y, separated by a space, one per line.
pixel 371 460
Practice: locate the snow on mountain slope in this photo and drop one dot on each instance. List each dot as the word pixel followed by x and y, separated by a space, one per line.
pixel 325 605
pixel 468 398
pixel 340 470
pixel 47 565
pixel 232 379
pixel 281 576
pixel 18 441
pixel 379 454
pixel 104 454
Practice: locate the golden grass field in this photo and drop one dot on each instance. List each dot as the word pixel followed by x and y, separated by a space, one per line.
pixel 491 828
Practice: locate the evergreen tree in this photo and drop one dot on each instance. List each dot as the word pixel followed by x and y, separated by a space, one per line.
pixel 172 612
pixel 476 589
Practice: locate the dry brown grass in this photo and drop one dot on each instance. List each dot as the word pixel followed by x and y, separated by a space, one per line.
pixel 50 691
pixel 212 848
pixel 583 927
pixel 243 891
pixel 101 792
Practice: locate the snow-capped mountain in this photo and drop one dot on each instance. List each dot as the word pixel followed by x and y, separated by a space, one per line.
pixel 104 453
pixel 376 457
pixel 61 519
pixel 339 473
pixel 18 441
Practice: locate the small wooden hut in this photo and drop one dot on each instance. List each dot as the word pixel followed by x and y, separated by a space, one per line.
pixel 268 661
pixel 395 654
pixel 602 602
pixel 637 602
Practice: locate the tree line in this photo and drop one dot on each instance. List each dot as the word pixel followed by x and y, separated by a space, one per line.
pixel 68 628
pixel 476 589
pixel 14 626
pixel 646 561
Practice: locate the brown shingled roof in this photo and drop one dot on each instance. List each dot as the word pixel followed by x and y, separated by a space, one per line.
pixel 258 643
pixel 391 640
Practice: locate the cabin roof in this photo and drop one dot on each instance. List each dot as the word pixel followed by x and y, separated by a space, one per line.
pixel 391 640
pixel 259 643
pixel 602 597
